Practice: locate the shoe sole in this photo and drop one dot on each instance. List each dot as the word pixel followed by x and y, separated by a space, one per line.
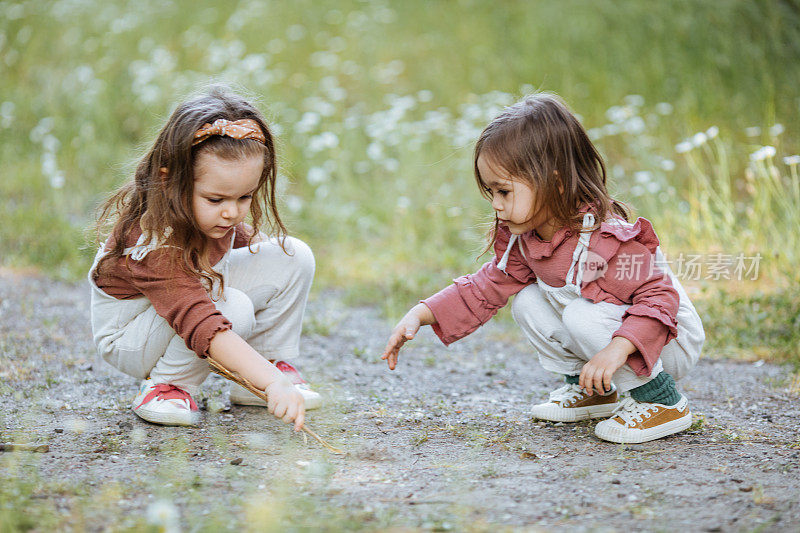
pixel 165 419
pixel 555 413
pixel 613 432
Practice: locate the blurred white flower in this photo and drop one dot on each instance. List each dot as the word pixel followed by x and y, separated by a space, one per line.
pixel 41 129
pixel 350 68
pixel 635 100
pixel 362 167
pixel 635 125
pixel 664 108
pixel 57 180
pixel 324 141
pixel 50 143
pixel 643 176
pixel 317 175
pixel 254 63
pixel 699 139
pixel 792 160
pixel 387 73
pixel 307 122
pixel 403 202
pixel 618 114
pixel 595 133
pixel 391 164
pixel 753 131
pixel 776 130
pixel 49 164
pixel 164 514
pixel 295 32
pixel 374 151
pixel 425 95
pixel 384 14
pixel 454 211
pixel 683 147
pixel 324 59
pixel 668 165
pixel 765 152
pixel 712 132
pixel 7 114
pixel 294 203
pixel 276 46
pixel 610 129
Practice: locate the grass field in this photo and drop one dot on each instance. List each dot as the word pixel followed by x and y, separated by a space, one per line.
pixel 377 104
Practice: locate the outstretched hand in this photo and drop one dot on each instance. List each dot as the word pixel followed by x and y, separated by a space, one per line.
pixel 405 330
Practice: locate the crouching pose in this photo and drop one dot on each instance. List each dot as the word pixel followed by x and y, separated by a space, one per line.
pixel 182 277
pixel 593 292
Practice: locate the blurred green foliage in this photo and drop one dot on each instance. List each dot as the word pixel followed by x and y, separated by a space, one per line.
pixel 377 105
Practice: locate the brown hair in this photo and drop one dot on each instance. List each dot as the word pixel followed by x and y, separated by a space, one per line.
pixel 540 142
pixel 156 202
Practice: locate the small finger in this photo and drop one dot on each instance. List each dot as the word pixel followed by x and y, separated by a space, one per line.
pixel 280 410
pixel 607 382
pixel 598 382
pixel 300 419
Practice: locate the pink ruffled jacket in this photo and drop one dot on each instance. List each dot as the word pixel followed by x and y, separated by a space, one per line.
pixel 632 278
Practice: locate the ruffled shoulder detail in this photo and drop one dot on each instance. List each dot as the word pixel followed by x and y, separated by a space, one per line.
pixel 641 231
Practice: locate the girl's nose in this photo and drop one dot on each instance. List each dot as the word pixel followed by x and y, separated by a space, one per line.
pixel 229 212
pixel 496 204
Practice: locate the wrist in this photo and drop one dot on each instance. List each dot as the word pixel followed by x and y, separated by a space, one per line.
pixel 424 314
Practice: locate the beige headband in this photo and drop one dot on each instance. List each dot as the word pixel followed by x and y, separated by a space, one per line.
pixel 245 128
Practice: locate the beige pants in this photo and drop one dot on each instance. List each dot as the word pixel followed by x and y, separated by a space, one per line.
pixel 566 337
pixel 264 299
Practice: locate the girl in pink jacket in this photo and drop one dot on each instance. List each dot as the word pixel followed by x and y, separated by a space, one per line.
pixel 593 292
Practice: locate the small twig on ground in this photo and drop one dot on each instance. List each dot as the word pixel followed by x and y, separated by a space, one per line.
pixel 236 378
pixel 20 447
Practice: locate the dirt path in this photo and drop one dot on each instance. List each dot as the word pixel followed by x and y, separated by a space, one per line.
pixel 443 443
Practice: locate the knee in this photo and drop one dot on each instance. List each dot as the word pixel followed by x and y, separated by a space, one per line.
pixel 302 257
pixel 585 319
pixel 238 309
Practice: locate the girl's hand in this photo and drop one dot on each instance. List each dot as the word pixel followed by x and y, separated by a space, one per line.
pixel 597 373
pixel 286 402
pixel 405 330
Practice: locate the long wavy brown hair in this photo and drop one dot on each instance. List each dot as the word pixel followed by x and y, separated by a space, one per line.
pixel 538 141
pixel 155 200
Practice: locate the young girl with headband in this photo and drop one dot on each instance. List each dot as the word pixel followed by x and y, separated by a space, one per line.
pixel 183 277
pixel 594 295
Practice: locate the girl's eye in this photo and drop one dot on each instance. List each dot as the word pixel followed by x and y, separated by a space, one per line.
pixel 215 200
pixel 502 193
pixel 246 197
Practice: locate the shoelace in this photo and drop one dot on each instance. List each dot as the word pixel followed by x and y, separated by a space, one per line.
pixel 167 391
pixel 633 412
pixel 566 393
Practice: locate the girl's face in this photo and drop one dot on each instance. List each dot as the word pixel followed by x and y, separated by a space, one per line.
pixel 223 191
pixel 515 202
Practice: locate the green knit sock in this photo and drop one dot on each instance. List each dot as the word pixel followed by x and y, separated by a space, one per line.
pixel 661 389
pixel 573 380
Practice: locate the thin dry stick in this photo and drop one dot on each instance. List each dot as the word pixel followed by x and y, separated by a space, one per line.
pixel 236 378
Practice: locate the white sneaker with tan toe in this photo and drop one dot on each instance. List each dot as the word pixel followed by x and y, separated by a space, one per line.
pixel 570 403
pixel 634 422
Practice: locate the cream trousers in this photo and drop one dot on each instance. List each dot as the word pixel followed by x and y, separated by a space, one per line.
pixel 567 337
pixel 264 299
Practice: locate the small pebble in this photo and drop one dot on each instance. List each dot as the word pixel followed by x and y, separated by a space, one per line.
pixel 237 461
